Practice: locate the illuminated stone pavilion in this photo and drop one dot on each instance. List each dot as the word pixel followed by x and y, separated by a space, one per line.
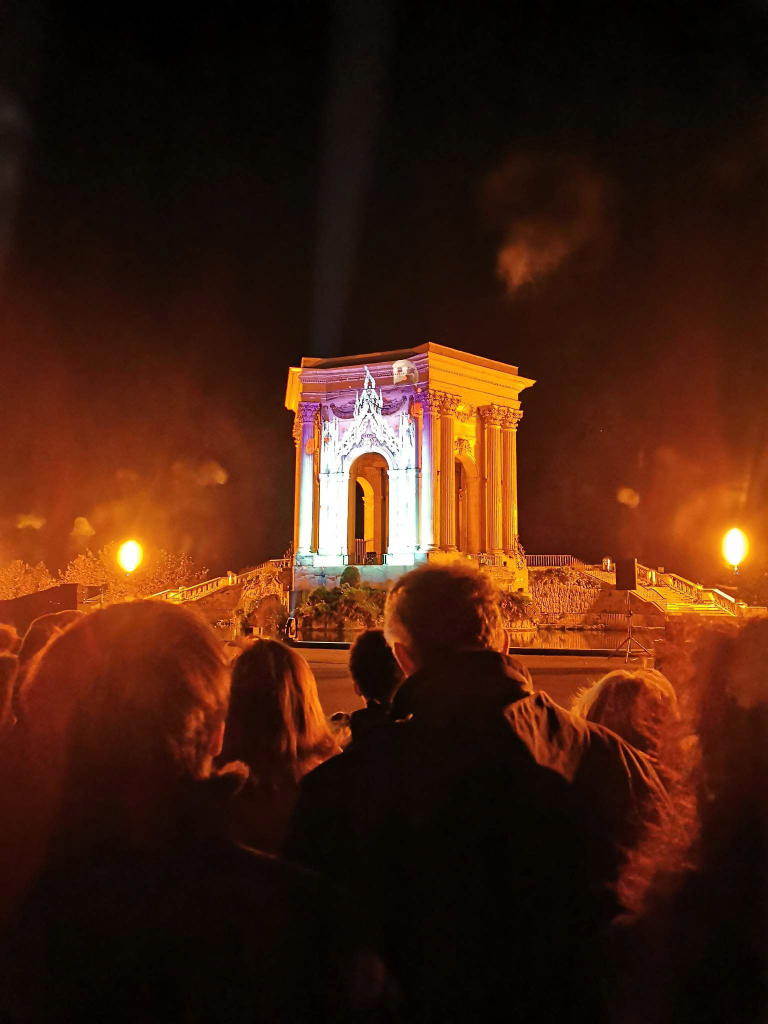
pixel 405 457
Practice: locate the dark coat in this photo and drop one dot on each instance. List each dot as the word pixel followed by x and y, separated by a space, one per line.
pixel 184 927
pixel 467 857
pixel 616 786
pixel 368 719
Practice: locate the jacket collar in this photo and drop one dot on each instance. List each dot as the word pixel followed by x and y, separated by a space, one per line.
pixel 464 684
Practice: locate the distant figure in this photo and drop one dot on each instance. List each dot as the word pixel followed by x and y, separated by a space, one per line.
pixel 9 639
pixel 465 831
pixel 376 676
pixel 277 729
pixel 140 908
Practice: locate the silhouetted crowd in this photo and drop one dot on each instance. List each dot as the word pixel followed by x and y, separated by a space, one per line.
pixel 187 838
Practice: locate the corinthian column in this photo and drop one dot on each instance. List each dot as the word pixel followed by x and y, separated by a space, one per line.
pixel 296 481
pixel 429 506
pixel 304 434
pixel 448 407
pixel 493 416
pixel 509 479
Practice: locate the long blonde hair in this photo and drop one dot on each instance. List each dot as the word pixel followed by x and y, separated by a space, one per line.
pixel 276 724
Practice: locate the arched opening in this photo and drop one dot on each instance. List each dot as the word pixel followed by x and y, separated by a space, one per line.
pixel 368 538
pixel 467 498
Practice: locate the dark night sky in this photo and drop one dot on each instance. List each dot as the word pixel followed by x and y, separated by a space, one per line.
pixel 204 198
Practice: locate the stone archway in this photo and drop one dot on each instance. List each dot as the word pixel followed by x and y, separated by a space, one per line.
pixel 368 516
pixel 467 497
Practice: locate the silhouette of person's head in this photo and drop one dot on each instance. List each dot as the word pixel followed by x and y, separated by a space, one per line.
pixel 40 632
pixel 126 702
pixel 373 667
pixel 438 610
pixel 637 705
pixel 7 675
pixel 9 639
pixel 275 723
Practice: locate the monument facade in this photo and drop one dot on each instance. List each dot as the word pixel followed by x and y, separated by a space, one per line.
pixel 404 457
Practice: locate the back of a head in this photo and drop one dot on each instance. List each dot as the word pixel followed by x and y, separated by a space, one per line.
pixel 373 667
pixel 275 722
pixel 437 610
pixel 41 630
pixel 8 665
pixel 730 683
pixel 9 639
pixel 130 695
pixel 636 705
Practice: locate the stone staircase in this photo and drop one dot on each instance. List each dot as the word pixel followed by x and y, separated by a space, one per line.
pixel 679 602
pixel 672 594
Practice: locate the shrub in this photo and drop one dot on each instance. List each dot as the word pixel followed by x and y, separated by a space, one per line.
pixel 562 590
pixel 518 610
pixel 270 615
pixel 347 605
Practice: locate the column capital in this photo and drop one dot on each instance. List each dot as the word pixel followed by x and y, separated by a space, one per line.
pixel 449 404
pixel 511 418
pixel 307 411
pixel 493 414
pixel 430 400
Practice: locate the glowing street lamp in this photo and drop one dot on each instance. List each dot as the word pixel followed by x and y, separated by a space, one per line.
pixel 129 556
pixel 735 547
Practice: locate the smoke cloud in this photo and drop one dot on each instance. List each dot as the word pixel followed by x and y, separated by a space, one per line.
pixel 29 521
pixel 203 474
pixel 82 530
pixel 549 207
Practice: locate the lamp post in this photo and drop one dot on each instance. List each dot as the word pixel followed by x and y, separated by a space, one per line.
pixel 735 548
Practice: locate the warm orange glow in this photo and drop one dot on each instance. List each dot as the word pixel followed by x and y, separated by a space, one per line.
pixel 735 546
pixel 129 555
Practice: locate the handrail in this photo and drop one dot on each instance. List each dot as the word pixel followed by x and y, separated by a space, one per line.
pixel 683 585
pixel 547 561
pixel 722 600
pixel 197 590
pixel 658 599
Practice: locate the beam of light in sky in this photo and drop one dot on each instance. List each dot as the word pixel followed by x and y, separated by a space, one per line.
pixel 359 55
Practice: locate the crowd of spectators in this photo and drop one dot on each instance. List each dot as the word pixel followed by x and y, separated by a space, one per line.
pixel 188 838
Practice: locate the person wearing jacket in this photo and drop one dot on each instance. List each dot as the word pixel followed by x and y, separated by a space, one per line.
pixel 135 904
pixel 463 828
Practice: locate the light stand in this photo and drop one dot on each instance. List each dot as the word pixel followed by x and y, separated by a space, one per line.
pixel 629 640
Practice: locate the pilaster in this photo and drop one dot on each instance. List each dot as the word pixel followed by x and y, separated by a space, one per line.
pixel 429 505
pixel 448 406
pixel 304 435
